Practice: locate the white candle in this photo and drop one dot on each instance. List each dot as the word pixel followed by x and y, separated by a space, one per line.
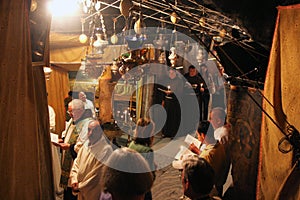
pixel 126 116
pixel 201 85
pixel 169 88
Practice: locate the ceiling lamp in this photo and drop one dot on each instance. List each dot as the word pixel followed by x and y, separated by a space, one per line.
pixel 114 38
pixel 125 6
pixel 33 5
pixel 82 38
pixel 202 22
pixel 173 57
pixel 173 17
pixel 138 27
pixel 99 44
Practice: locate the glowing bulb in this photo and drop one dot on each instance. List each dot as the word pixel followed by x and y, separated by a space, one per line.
pixel 33 5
pixel 63 8
pixel 173 17
pixel 83 38
pixel 114 39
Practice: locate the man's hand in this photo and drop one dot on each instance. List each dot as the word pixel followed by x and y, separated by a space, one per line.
pixel 64 146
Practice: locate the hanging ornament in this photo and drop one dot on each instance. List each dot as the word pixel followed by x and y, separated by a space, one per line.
pixel 33 5
pixel 114 38
pixel 125 6
pixel 138 27
pixel 173 57
pixel 83 38
pixel 173 18
pixel 202 22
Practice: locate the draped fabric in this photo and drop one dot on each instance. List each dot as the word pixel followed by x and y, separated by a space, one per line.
pixel 25 156
pixel 58 88
pixel 244 117
pixel 282 92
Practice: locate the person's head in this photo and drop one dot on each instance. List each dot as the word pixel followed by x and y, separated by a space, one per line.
pixel 76 109
pixel 144 132
pixel 217 117
pixel 127 175
pixel 82 96
pixel 204 131
pixel 197 177
pixel 94 132
pixel 70 93
pixel 192 71
pixel 172 73
pixel 203 68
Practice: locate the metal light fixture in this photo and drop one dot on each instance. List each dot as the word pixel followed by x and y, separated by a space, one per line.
pixel 82 38
pixel 173 18
pixel 173 57
pixel 125 6
pixel 114 38
pixel 33 5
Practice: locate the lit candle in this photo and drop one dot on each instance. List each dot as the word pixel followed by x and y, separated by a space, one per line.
pixel 126 116
pixel 169 88
pixel 201 85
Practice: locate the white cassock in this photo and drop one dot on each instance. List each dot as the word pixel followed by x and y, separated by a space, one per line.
pixel 87 169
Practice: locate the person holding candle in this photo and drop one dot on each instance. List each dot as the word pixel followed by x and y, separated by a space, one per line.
pixel 208 89
pixel 171 102
pixel 197 83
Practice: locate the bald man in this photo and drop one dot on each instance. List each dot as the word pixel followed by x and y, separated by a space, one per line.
pixel 87 168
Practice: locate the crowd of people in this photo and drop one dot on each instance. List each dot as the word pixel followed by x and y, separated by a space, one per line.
pixel 181 89
pixel 91 167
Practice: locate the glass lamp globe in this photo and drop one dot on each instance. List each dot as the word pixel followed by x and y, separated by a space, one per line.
pixel 114 39
pixel 83 38
pixel 173 17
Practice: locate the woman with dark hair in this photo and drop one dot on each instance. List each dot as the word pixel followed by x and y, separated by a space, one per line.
pixel 142 143
pixel 126 176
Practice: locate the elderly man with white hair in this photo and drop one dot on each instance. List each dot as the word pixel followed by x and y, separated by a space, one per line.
pixel 88 104
pixel 73 137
